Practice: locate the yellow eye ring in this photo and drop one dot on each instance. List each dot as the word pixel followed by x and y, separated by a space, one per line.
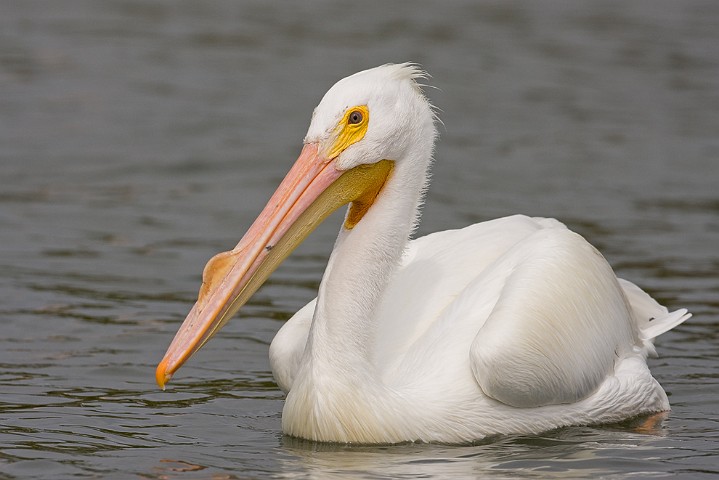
pixel 349 130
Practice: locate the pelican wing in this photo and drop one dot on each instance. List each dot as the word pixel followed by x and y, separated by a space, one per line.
pixel 288 346
pixel 444 278
pixel 558 326
pixel 528 308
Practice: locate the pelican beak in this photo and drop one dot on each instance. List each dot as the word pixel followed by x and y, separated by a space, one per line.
pixel 313 189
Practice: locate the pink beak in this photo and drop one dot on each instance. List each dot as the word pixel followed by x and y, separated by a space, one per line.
pixel 312 190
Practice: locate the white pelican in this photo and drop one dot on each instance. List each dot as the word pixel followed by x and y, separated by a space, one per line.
pixel 515 325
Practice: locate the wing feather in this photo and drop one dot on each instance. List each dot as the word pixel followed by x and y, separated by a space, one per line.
pixel 558 326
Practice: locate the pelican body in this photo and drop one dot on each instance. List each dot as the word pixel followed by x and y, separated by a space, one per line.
pixel 515 325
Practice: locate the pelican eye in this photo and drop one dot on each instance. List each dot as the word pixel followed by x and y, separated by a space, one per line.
pixel 350 129
pixel 355 117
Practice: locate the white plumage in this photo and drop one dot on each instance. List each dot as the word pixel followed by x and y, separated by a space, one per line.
pixel 515 325
pixel 465 335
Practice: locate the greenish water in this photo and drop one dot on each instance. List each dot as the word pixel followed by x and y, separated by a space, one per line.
pixel 137 139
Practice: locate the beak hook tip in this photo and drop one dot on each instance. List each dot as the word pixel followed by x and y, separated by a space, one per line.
pixel 161 375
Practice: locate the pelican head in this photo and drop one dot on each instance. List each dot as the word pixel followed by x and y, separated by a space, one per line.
pixel 369 128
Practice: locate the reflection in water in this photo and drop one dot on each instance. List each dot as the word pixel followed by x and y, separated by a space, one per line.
pixel 565 453
pixel 178 466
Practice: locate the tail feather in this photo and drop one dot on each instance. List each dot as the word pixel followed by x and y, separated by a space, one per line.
pixel 652 319
pixel 660 325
